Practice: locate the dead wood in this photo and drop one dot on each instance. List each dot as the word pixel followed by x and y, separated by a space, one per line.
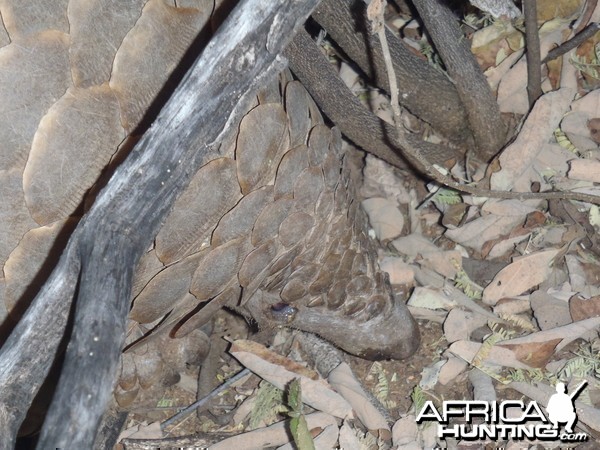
pixel 483 112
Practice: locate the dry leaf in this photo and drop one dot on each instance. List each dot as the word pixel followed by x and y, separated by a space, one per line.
pixel 385 218
pixel 517 158
pixel 497 356
pixel 451 370
pixel 534 354
pixel 405 430
pixel 476 233
pixel 460 324
pixel 523 274
pixel 584 169
pixel 279 371
pixel 549 311
pixel 398 270
pixel 274 435
pixel 430 298
pixel 344 381
pixel 581 308
pixel 150 431
pixel 568 333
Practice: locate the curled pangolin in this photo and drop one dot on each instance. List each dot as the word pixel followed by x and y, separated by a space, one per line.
pixel 272 228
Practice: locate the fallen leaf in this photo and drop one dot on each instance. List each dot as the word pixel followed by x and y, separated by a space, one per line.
pixel 517 158
pixel 451 370
pixel 405 430
pixel 385 218
pixel 344 381
pixel 497 356
pixel 274 435
pixel 279 371
pixel 460 324
pixel 581 308
pixel 534 354
pixel 519 276
pixel 141 431
pixel 568 333
pixel 549 311
pixel 584 169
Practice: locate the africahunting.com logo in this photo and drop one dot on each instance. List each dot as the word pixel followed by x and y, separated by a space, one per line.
pixel 492 420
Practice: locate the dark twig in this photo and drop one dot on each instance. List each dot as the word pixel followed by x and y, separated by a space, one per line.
pixel 575 41
pixel 198 404
pixel 532 43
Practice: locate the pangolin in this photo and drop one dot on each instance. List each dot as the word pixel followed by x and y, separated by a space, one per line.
pixel 272 228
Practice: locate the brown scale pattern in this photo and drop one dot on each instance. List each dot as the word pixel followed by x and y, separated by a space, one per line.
pixel 292 249
pixel 270 228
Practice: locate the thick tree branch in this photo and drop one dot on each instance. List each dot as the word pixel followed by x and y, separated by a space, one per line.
pixel 483 113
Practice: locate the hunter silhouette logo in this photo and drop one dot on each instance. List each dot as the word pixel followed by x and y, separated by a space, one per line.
pixel 560 406
pixel 510 419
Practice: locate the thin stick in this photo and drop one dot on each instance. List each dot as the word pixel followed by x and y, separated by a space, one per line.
pixel 532 40
pixel 190 409
pixel 575 41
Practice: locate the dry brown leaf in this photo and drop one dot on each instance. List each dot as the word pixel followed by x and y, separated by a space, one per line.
pixel 451 369
pixel 279 371
pixel 460 324
pixel 497 356
pixel 584 169
pixel 385 218
pixel 534 354
pixel 553 9
pixel 423 297
pixel 581 308
pixel 517 158
pixel 405 430
pixel 549 311
pixel 344 381
pixel 568 333
pixel 398 270
pixel 446 263
pixel 414 244
pixel 273 435
pixel 519 276
pixel 476 233
pixel 512 306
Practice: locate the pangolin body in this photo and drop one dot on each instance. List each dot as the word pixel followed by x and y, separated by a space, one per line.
pixel 271 228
